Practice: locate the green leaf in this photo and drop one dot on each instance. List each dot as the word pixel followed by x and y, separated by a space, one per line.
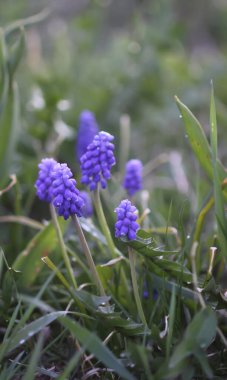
pixel 21 336
pixel 165 372
pixel 198 141
pixel 9 106
pixel 201 357
pixel 9 124
pixel 199 334
pixel 15 53
pixel 218 195
pixel 172 313
pixel 4 83
pixel 202 329
pixel 176 269
pixel 29 261
pixel 7 286
pixel 146 245
pixel 33 361
pixel 107 316
pixel 183 292
pixel 96 347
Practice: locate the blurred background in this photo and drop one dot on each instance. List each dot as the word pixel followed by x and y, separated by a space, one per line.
pixel 119 57
pixel 115 58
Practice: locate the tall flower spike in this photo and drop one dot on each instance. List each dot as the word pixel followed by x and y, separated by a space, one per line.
pixel 87 130
pixel 132 181
pixel 96 163
pixel 44 182
pixel 87 209
pixel 126 225
pixel 66 197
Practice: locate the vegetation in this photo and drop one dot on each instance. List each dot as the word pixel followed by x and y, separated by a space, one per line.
pixel 75 301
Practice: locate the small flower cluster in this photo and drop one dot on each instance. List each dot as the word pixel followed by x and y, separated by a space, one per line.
pixel 126 225
pixel 44 182
pixel 56 185
pixel 87 130
pixel 133 176
pixel 96 163
pixel 66 197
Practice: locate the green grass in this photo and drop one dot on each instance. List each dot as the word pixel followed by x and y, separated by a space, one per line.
pixel 160 313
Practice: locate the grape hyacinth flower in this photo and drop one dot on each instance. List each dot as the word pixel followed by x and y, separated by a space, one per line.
pixel 126 225
pixel 87 130
pixel 87 209
pixel 66 197
pixel 96 163
pixel 44 182
pixel 132 181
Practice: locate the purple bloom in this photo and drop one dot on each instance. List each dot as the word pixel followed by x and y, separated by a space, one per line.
pixel 66 197
pixel 87 209
pixel 44 182
pixel 126 220
pixel 96 163
pixel 132 181
pixel 87 130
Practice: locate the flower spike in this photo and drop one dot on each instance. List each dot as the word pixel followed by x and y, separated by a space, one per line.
pixel 133 176
pixel 87 130
pixel 96 163
pixel 44 182
pixel 126 225
pixel 66 197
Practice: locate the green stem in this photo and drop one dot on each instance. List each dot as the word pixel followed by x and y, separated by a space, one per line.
pixel 124 142
pixel 135 286
pixel 64 282
pixel 62 246
pixel 103 223
pixel 201 218
pixel 194 273
pixel 88 255
pixel 204 212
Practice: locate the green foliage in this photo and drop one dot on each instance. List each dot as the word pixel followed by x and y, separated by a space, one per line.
pixel 47 321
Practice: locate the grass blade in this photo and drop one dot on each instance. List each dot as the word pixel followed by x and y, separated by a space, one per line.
pixel 198 141
pixel 33 362
pixel 29 330
pixel 96 347
pixel 171 321
pixel 28 261
pixel 218 196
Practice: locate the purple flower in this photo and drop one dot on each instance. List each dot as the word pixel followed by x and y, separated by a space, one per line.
pixel 66 197
pixel 132 181
pixel 126 220
pixel 44 182
pixel 96 163
pixel 87 130
pixel 87 209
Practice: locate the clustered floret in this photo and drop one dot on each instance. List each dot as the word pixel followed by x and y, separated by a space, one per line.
pixel 66 197
pixel 96 163
pixel 44 182
pixel 126 225
pixel 132 181
pixel 87 130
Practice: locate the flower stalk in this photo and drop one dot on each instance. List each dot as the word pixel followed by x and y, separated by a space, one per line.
pixel 103 223
pixel 88 255
pixel 62 246
pixel 135 286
